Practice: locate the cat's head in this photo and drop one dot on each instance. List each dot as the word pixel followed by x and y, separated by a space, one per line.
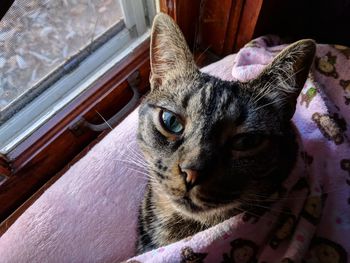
pixel 212 144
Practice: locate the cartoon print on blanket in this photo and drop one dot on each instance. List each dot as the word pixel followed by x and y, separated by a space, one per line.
pixel 346 86
pixel 242 251
pixel 254 217
pixel 308 96
pixel 326 65
pixel 317 192
pixel 285 228
pixel 344 50
pixel 189 256
pixel 313 208
pixel 329 126
pixel 345 165
pixel 325 251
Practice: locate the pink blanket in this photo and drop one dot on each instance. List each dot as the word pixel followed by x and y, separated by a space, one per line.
pixel 90 213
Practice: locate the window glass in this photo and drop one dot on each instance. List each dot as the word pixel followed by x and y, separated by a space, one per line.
pixel 37 36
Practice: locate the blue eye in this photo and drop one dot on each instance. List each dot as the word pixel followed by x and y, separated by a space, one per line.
pixel 171 122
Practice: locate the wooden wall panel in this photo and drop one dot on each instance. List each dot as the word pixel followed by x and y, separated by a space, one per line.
pixel 218 27
pixel 228 26
pixel 186 15
pixel 233 26
pixel 214 21
pixel 248 21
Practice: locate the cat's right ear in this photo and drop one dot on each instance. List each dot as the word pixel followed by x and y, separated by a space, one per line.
pixel 283 79
pixel 170 55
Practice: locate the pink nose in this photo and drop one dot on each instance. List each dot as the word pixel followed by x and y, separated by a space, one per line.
pixel 190 176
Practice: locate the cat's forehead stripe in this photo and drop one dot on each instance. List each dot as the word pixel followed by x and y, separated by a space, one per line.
pixel 186 98
pixel 207 93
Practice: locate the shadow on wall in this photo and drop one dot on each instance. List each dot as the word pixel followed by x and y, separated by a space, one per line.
pixel 323 20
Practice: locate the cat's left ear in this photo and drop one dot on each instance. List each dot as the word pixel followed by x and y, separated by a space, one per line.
pixel 283 79
pixel 170 55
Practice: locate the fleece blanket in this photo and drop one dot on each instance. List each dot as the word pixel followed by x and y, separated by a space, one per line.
pixel 90 213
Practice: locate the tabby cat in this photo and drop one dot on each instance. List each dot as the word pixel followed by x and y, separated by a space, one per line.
pixel 214 148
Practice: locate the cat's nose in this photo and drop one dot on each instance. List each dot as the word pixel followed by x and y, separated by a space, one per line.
pixel 190 176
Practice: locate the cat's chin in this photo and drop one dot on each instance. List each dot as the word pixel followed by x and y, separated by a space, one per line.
pixel 187 204
pixel 206 213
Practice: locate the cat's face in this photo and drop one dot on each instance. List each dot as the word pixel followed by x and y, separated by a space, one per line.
pixel 213 144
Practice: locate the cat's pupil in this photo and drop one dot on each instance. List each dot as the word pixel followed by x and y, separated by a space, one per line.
pixel 171 123
pixel 172 120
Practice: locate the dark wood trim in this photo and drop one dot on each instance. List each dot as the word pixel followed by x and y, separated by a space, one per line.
pixel 5 168
pixel 213 25
pixel 248 21
pixel 186 14
pixel 218 28
pixel 48 150
pixel 233 26
pixel 228 26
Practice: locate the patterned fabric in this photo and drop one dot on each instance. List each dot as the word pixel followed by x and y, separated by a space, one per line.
pixel 311 222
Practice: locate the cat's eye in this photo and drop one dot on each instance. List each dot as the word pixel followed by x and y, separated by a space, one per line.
pixel 170 122
pixel 248 141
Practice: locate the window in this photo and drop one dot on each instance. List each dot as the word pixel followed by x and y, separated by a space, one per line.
pixel 51 51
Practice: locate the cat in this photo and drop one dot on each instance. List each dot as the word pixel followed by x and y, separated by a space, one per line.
pixel 214 148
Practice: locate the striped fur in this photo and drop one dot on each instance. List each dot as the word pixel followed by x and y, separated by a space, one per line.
pixel 215 113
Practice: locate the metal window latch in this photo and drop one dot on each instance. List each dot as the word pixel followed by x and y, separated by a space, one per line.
pixel 81 125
